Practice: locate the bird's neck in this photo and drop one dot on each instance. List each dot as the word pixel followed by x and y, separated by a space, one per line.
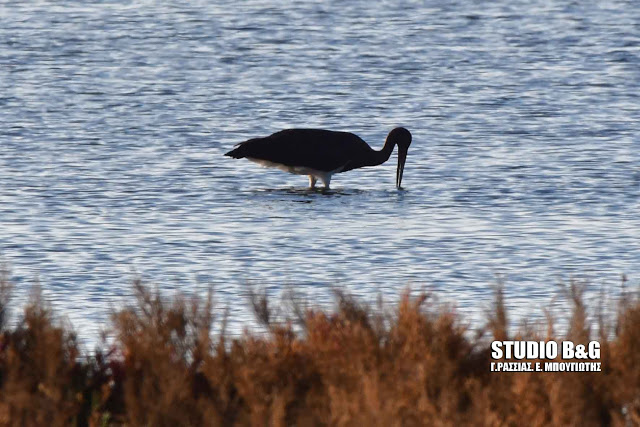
pixel 384 154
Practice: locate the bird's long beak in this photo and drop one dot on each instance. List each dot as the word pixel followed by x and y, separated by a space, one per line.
pixel 402 157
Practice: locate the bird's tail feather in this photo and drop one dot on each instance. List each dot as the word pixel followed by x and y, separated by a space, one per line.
pixel 235 153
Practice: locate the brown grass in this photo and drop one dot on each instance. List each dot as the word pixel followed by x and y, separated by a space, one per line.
pixel 414 365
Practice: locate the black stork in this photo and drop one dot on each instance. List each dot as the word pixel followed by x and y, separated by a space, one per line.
pixel 321 153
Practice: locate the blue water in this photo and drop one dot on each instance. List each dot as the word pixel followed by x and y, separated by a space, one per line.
pixel 114 117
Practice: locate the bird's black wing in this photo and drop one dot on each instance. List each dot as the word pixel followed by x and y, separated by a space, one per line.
pixel 313 148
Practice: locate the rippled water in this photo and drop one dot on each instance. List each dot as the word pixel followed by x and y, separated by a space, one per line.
pixel 114 117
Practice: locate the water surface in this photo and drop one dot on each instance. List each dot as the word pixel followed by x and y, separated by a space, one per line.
pixel 114 117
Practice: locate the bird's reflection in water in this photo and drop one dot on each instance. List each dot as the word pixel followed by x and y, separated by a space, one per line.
pixel 312 192
pixel 317 195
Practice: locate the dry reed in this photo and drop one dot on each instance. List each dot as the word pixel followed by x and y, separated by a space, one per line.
pixel 414 365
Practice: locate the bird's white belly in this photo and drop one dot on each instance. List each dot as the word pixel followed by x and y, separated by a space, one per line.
pixel 298 170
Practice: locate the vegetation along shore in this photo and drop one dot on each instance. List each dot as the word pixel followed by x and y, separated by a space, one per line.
pixel 413 363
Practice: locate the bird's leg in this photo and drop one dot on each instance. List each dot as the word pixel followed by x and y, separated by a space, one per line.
pixel 326 180
pixel 312 181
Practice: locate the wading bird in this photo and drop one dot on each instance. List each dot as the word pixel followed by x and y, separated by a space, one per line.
pixel 321 153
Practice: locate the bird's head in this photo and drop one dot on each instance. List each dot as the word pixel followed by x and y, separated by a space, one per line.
pixel 402 138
